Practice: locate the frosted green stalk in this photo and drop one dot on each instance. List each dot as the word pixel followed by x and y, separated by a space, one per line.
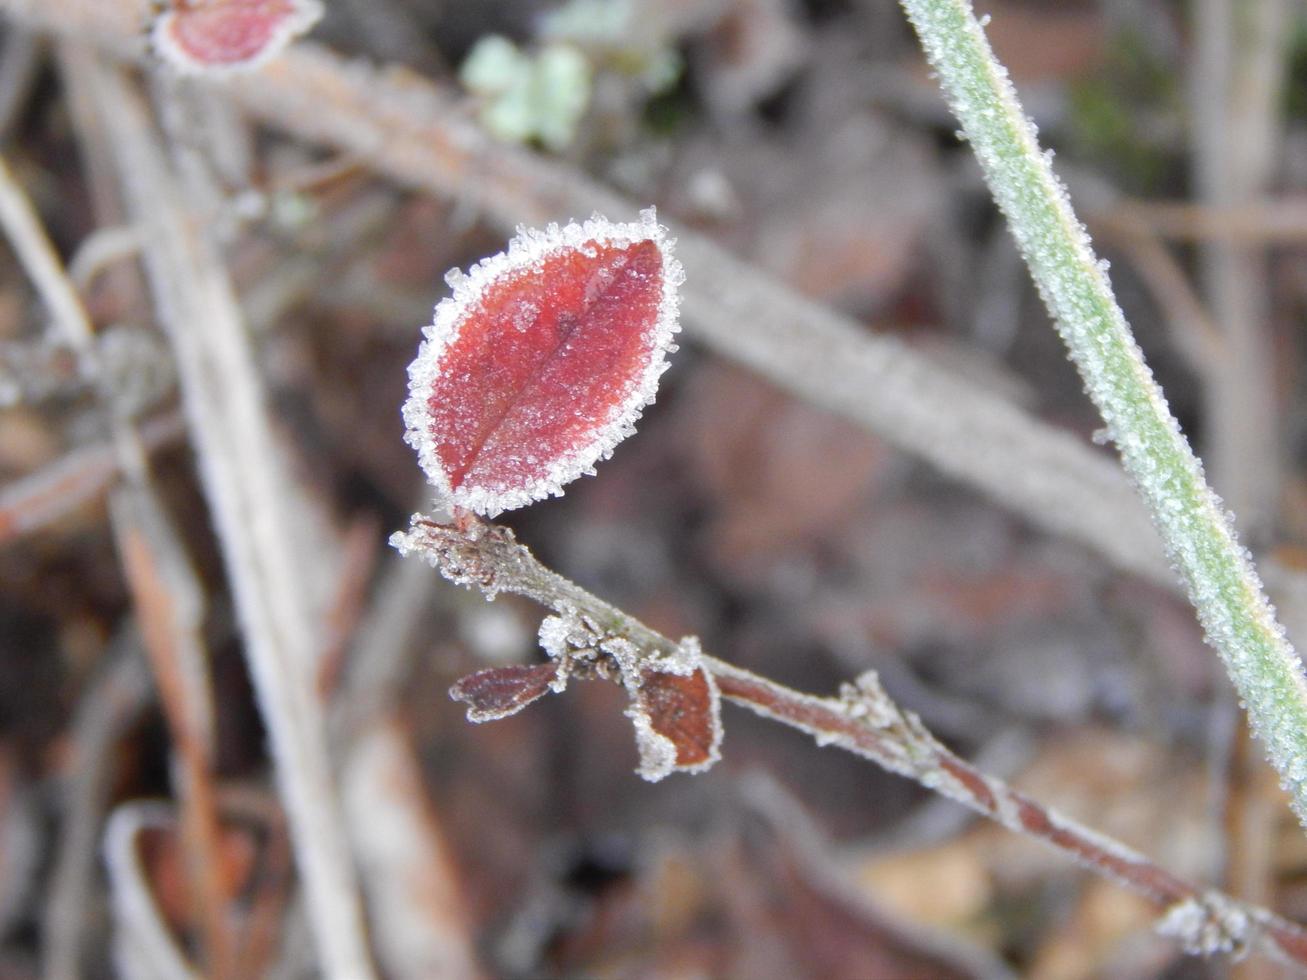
pixel 1222 584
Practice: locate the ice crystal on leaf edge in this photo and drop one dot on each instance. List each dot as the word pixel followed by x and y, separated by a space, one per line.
pixel 529 248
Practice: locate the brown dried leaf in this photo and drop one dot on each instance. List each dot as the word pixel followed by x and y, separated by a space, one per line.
pixel 498 692
pixel 685 711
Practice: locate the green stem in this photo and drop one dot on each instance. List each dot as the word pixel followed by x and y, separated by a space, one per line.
pixel 1199 537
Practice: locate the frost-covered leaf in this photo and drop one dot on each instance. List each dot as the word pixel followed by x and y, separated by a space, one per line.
pixel 207 36
pixel 498 692
pixel 684 711
pixel 676 711
pixel 542 360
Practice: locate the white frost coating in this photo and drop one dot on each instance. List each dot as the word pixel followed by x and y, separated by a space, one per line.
pixel 554 633
pixel 568 633
pixel 1200 539
pixel 683 661
pixel 657 752
pixel 1213 925
pixel 867 701
pixel 653 747
pixel 628 658
pixel 303 15
pixel 529 247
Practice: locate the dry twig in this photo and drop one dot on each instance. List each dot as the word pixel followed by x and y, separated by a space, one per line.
pixel 85 474
pixel 242 474
pixel 167 593
pixel 110 704
pixel 865 721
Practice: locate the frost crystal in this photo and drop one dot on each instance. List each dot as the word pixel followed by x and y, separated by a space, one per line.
pixel 567 638
pixel 542 360
pixel 865 699
pixel 657 752
pixel 1212 925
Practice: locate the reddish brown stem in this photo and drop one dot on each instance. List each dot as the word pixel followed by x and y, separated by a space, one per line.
pixel 827 721
pixel 865 721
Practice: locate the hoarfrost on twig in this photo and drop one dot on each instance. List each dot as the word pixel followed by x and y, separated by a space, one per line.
pixel 1208 926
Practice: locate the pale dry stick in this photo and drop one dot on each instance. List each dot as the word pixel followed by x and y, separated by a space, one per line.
pixel 415 132
pixel 121 282
pixel 248 494
pixel 418 909
pixel 106 709
pixel 169 605
pixel 864 720
pixel 143 944
pixel 381 647
pixel 1265 221
pixel 359 548
pixel 101 250
pixel 85 474
pixel 37 254
pixel 1236 83
pixel 408 872
pixel 20 61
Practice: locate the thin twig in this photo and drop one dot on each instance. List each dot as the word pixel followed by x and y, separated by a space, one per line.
pixel 1236 83
pixel 1192 330
pixel 165 588
pixel 248 493
pixel 1280 220
pixel 144 946
pixel 20 62
pixel 37 254
pixel 169 602
pixel 865 721
pixel 42 498
pixel 109 705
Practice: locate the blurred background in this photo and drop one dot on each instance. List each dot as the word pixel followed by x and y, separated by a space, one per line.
pixel 807 138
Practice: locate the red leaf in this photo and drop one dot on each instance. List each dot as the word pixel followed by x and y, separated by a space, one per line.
pixel 684 709
pixel 223 35
pixel 541 361
pixel 498 692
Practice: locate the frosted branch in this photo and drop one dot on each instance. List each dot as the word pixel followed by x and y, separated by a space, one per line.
pixel 864 720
